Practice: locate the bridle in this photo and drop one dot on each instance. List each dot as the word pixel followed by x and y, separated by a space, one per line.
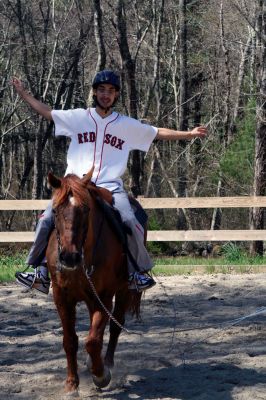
pixel 88 270
pixel 60 266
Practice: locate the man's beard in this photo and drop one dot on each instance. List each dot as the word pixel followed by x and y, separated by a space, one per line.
pixel 97 104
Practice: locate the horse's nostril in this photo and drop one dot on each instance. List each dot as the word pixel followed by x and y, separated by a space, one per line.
pixel 76 257
pixel 70 259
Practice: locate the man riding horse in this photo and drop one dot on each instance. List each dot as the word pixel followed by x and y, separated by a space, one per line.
pixel 101 139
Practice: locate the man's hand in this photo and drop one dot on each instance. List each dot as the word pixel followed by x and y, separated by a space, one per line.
pixel 18 85
pixel 199 131
pixel 35 104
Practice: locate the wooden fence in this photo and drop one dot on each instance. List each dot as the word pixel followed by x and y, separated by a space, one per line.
pixel 161 203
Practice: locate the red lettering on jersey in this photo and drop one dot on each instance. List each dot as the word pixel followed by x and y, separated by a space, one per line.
pixel 92 137
pixel 113 141
pixel 85 136
pixel 119 144
pixel 107 138
pixel 80 137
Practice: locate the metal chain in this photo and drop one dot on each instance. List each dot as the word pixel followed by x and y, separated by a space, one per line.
pixel 110 315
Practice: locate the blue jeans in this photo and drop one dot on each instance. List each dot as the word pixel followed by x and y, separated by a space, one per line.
pixel 135 241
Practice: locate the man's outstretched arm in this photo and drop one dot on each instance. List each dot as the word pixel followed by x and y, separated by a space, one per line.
pixel 41 108
pixel 171 134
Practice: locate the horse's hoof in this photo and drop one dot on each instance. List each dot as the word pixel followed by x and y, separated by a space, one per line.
pixel 104 380
pixel 73 394
pixel 71 388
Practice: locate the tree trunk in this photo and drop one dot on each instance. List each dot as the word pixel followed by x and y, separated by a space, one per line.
pixel 136 159
pixel 240 78
pixel 38 164
pixel 99 39
pixel 155 86
pixel 98 33
pixel 225 50
pixel 217 212
pixel 183 113
pixel 257 214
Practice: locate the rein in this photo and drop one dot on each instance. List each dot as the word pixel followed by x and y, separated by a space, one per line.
pixel 110 315
pixel 88 271
pixel 59 266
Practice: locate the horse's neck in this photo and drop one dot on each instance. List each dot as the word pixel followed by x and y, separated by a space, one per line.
pixel 96 219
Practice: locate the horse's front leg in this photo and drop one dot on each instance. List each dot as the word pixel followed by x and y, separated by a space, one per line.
pixel 124 301
pixel 121 305
pixel 101 374
pixel 67 313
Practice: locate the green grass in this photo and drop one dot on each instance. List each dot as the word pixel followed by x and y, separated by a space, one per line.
pixel 9 264
pixel 169 270
pixel 209 261
pixel 232 261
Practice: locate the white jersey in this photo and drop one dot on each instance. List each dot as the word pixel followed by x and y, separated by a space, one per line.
pixel 104 143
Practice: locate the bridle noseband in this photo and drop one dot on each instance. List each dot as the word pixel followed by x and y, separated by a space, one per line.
pixel 88 270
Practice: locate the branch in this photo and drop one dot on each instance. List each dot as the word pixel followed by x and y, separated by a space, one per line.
pixel 170 183
pixel 14 127
pixel 251 23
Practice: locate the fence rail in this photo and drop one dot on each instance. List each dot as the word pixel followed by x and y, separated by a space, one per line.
pixel 157 203
pixel 152 203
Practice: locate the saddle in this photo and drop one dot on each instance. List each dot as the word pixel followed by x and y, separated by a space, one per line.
pixel 105 200
pixel 114 218
pixel 120 229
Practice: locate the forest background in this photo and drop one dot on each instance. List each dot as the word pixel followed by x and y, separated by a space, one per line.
pixel 182 64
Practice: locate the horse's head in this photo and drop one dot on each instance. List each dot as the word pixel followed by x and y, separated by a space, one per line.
pixel 71 201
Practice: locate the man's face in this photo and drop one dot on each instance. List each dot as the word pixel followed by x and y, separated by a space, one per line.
pixel 106 94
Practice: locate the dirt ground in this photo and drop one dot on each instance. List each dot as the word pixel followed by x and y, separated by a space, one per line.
pixel 185 347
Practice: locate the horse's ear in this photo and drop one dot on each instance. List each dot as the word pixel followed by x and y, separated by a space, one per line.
pixel 54 181
pixel 87 178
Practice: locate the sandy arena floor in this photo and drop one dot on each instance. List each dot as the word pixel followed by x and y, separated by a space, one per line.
pixel 180 353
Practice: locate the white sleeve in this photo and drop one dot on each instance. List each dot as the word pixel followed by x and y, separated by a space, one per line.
pixel 64 121
pixel 142 135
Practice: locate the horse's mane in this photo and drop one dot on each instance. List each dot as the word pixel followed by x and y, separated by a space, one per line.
pixel 71 185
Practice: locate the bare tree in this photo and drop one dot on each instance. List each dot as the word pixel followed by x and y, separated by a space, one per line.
pixel 183 111
pixel 259 188
pixel 129 65
pixel 98 32
pixel 175 72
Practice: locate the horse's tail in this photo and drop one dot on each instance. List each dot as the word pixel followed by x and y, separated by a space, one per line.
pixel 134 303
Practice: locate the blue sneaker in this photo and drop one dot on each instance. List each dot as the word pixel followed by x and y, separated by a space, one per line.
pixel 140 281
pixel 33 281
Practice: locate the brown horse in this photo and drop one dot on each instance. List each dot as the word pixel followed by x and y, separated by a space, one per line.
pixel 86 260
